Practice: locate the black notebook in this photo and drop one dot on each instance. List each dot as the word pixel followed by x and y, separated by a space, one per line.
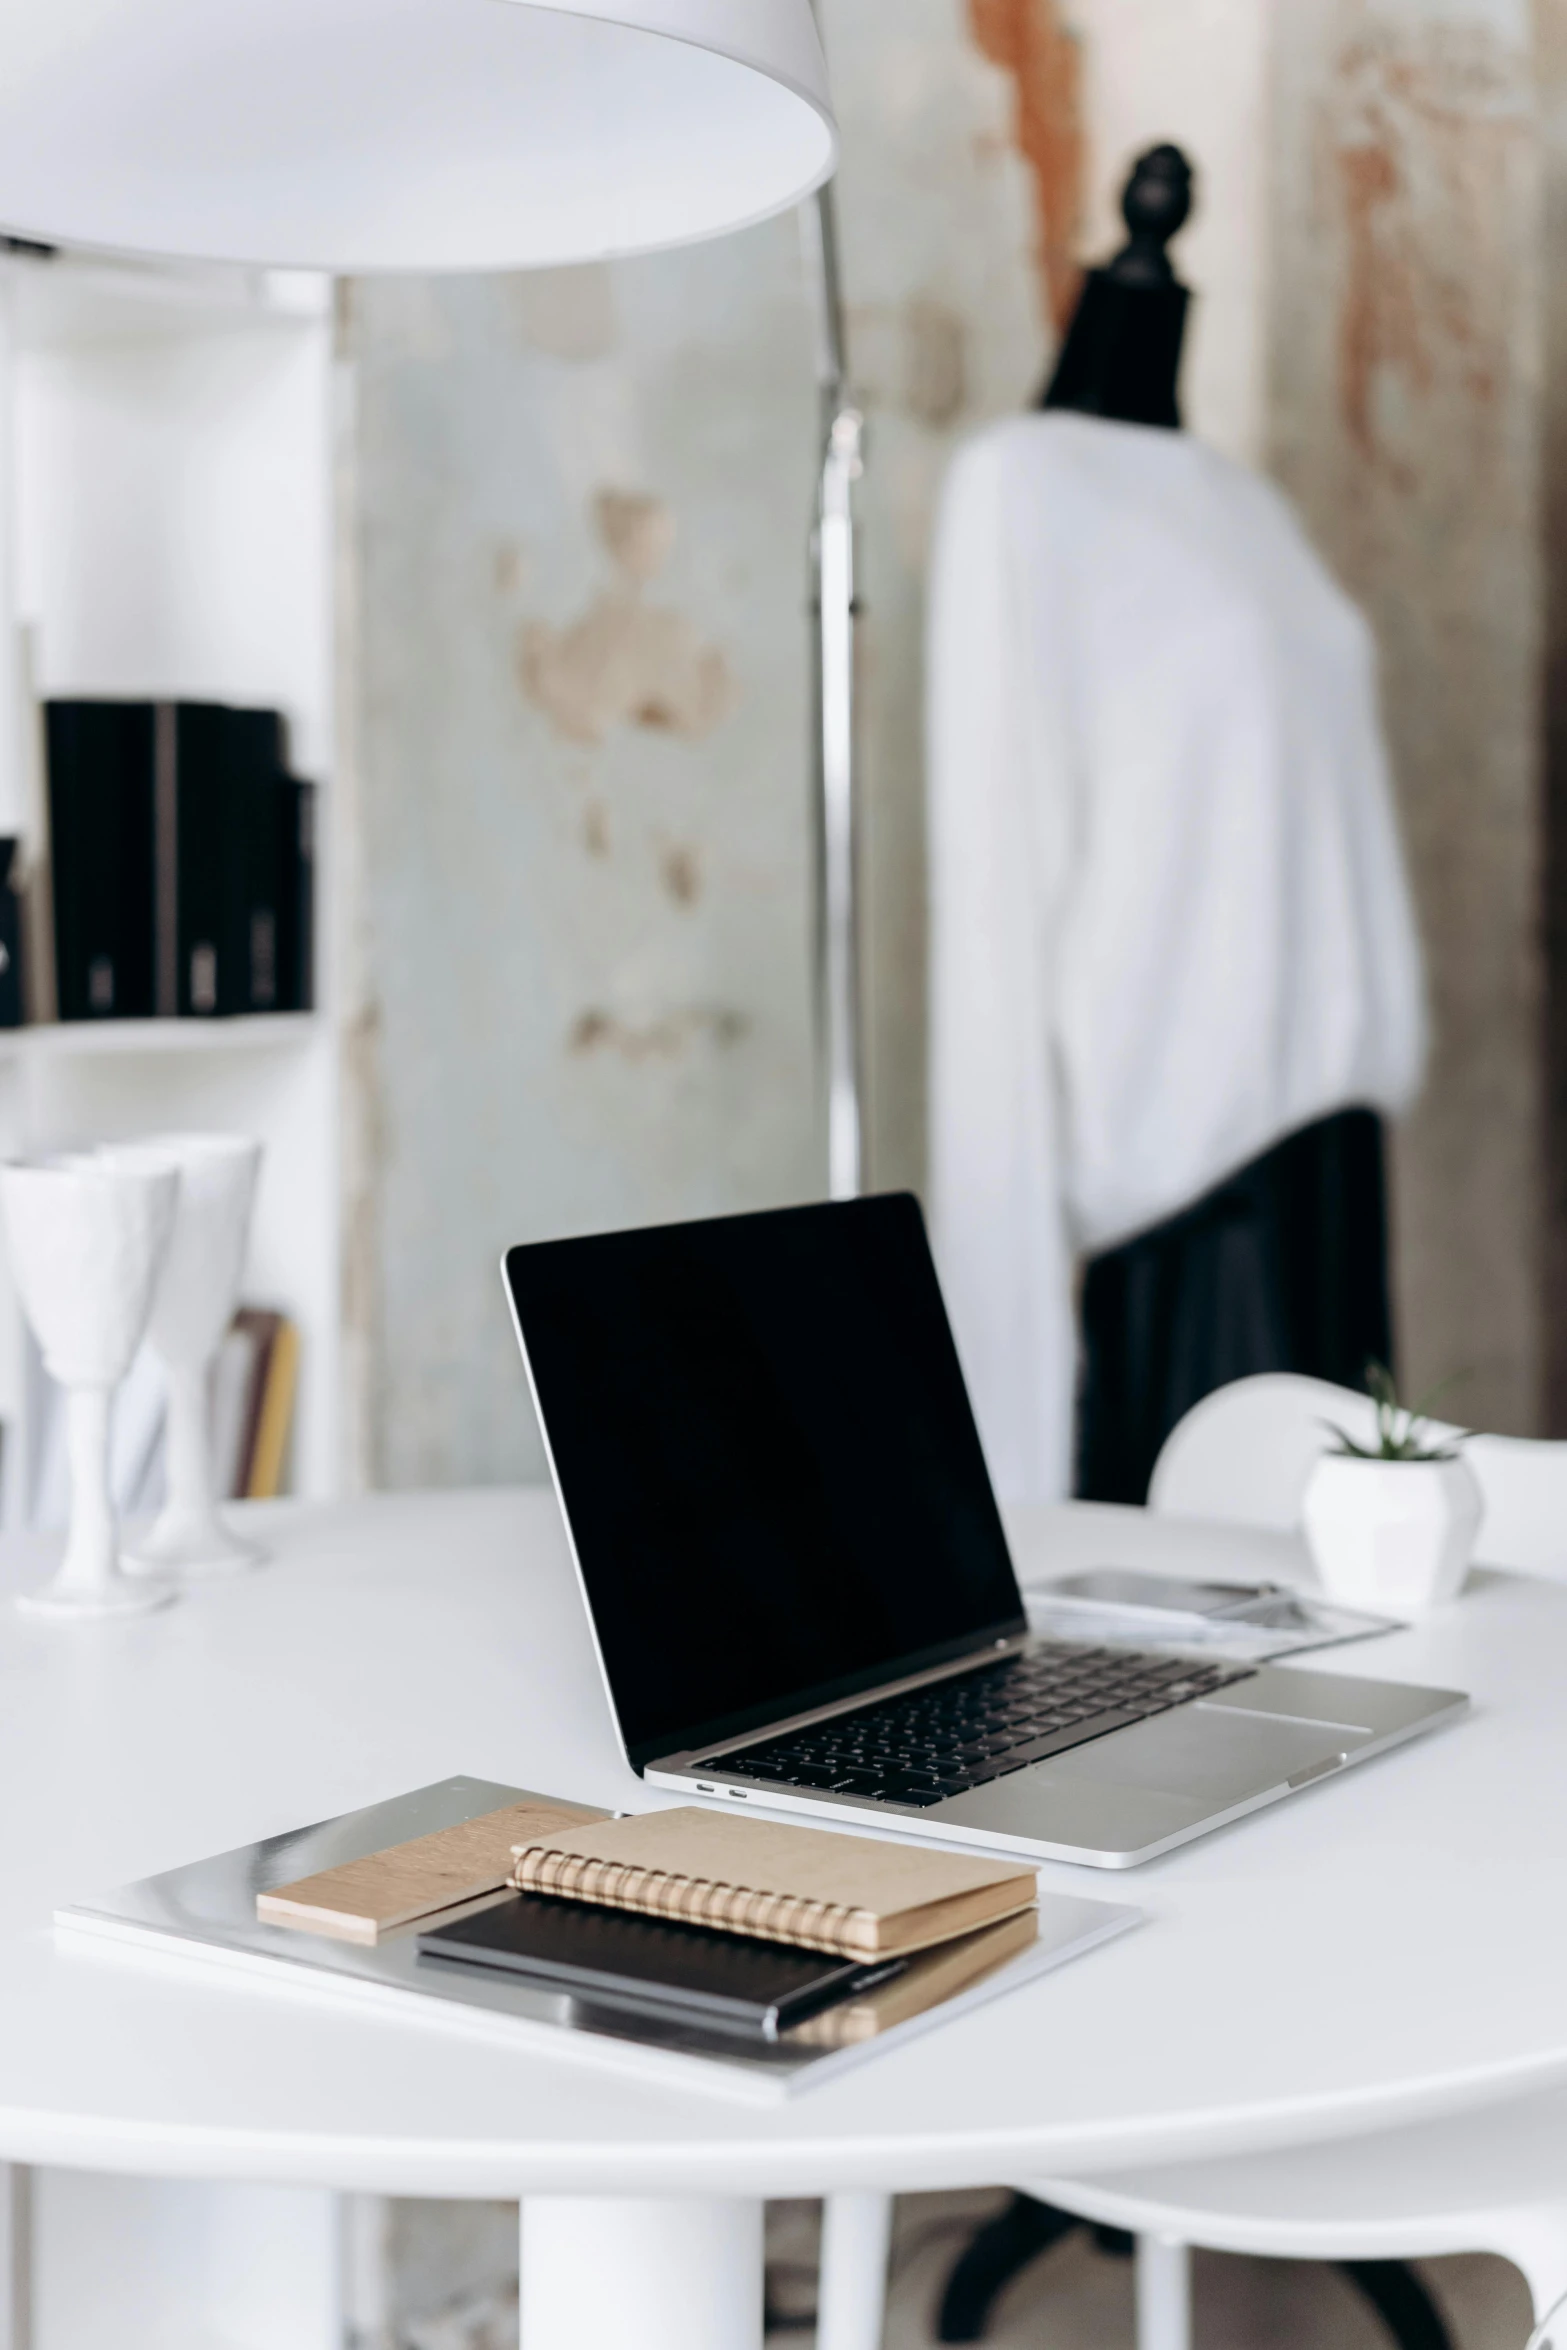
pixel 10 935
pixel 610 1958
pixel 101 834
pixel 294 826
pixel 198 845
pixel 257 875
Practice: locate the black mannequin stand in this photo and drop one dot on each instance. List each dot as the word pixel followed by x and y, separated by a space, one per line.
pixel 1122 351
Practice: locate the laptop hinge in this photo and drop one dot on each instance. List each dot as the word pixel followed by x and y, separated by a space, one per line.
pixel 716 1750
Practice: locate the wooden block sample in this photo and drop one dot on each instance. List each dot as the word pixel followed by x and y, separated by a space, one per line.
pixel 363 1899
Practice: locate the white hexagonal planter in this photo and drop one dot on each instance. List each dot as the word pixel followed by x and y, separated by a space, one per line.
pixel 1392 1536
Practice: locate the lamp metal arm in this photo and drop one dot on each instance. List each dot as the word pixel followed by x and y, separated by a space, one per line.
pixel 836 610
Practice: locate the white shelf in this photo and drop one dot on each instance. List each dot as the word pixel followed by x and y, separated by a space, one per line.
pixel 72 300
pixel 169 506
pixel 77 1039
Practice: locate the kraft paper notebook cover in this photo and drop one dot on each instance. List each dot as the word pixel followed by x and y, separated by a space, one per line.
pixel 928 1981
pixel 851 1895
pixel 367 1898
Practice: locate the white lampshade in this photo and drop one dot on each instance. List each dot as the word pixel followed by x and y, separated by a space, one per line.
pixel 352 135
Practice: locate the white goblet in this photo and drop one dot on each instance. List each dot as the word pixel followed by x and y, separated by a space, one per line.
pixel 87 1245
pixel 192 1307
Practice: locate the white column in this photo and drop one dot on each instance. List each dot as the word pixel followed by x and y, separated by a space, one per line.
pixel 852 2296
pixel 602 2273
pixel 1164 2294
pixel 15 1464
pixel 144 2264
pixel 1200 77
pixel 16 2257
pixel 13 792
pixel 366 2229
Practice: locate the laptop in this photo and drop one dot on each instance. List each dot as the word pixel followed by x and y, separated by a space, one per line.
pixel 797 1577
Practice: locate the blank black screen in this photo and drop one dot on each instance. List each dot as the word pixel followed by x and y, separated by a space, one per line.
pixel 768 1461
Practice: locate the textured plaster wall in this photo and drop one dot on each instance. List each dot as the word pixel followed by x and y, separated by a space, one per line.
pixel 1405 417
pixel 579 872
pixel 581 774
pixel 578 844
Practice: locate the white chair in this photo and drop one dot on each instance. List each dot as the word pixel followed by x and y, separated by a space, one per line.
pixel 1494 2182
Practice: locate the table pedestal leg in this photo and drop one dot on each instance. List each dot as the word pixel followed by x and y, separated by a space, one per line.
pixel 1164 2294
pixel 852 2301
pixel 16 2257
pixel 602 2273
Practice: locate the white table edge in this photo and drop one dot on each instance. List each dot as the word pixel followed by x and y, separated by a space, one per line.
pixel 908 2163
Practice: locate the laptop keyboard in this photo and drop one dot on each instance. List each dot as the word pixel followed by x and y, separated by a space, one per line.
pixel 930 1743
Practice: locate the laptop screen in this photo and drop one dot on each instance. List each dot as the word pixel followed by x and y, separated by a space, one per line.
pixel 768 1461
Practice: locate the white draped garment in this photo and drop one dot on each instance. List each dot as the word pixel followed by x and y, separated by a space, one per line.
pixel 1170 922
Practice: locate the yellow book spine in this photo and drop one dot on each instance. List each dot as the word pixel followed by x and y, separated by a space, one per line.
pixel 277 1412
pixel 835 1927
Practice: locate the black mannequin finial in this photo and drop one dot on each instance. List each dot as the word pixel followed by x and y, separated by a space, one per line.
pixel 1122 351
pixel 1154 205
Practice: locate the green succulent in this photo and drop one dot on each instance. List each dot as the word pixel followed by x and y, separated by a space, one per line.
pixel 1402 1430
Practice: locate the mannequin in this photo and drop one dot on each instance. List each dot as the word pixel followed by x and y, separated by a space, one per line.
pixel 1283 1267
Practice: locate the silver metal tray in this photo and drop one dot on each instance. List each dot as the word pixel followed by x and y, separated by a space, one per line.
pixel 205 1915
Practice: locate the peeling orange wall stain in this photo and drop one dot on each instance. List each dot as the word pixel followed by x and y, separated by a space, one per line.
pixel 1028 40
pixel 625 661
pixel 664 1037
pixel 1417 165
pixel 1376 298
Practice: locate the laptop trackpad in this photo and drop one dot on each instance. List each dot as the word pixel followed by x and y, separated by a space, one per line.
pixel 1213 1753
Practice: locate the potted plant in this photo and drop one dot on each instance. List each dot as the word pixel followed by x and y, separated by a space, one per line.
pixel 1391 1525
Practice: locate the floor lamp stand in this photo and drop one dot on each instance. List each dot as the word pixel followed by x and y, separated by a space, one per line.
pixel 835 613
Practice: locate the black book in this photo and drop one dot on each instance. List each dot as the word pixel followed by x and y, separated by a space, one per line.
pixel 295 833
pixel 100 770
pixel 196 857
pixel 256 876
pixel 648 1966
pixel 234 907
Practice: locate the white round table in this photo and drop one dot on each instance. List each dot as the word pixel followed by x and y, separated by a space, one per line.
pixel 1383 1946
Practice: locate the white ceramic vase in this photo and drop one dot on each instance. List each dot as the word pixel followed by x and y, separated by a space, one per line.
pixel 87 1244
pixel 191 1309
pixel 1394 1537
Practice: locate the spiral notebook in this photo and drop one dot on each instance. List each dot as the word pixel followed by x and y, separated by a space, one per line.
pixel 852 1896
